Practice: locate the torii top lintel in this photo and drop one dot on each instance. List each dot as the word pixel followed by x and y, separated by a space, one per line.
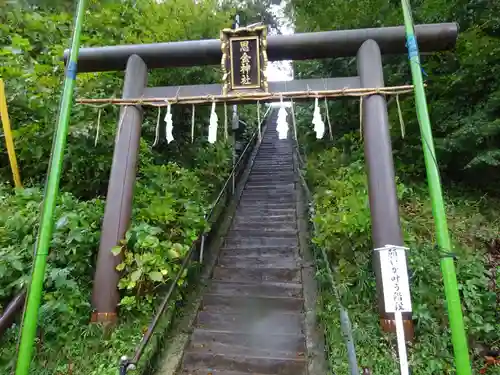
pixel 302 46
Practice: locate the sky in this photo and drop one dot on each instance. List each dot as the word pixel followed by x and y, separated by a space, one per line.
pixel 281 70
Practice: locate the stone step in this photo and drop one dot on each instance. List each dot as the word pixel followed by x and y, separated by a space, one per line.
pixel 205 371
pixel 276 322
pixel 263 210
pixel 266 201
pixel 271 171
pixel 273 343
pixel 274 156
pixel 283 261
pixel 275 145
pixel 272 177
pixel 270 152
pixel 262 241
pixel 289 226
pixel 255 344
pixel 243 363
pixel 269 289
pixel 269 148
pixel 272 159
pixel 264 207
pixel 274 150
pixel 219 303
pixel 279 161
pixel 287 192
pixel 262 252
pixel 255 275
pixel 263 231
pixel 262 216
pixel 269 193
pixel 272 140
pixel 273 163
pixel 258 219
pixel 252 192
pixel 269 209
pixel 267 177
pixel 267 205
pixel 262 188
pixel 275 153
pixel 272 166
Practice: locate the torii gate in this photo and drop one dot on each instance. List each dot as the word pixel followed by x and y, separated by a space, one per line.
pixel 367 44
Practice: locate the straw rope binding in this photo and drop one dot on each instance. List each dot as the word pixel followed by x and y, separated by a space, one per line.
pixel 252 96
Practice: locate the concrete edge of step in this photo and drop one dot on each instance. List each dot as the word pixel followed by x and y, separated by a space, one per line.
pixel 315 341
pixel 171 362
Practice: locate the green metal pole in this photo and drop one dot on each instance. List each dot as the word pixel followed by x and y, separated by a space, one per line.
pixel 458 334
pixel 30 318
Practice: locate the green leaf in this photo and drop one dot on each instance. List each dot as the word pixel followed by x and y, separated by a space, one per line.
pixel 116 250
pixel 127 301
pixel 172 254
pixel 120 267
pixel 155 276
pixel 62 222
pixel 136 275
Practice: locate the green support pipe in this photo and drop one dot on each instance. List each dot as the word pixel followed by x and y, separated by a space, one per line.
pixel 30 318
pixel 458 334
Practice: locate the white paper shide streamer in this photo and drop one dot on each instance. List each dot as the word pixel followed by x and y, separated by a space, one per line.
pixel 319 125
pixel 212 128
pixel 169 124
pixel 282 123
pixel 157 129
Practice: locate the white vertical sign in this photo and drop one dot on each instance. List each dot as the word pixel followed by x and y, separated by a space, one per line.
pixel 395 279
pixel 396 290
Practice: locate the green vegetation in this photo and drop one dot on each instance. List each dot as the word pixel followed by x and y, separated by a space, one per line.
pixel 463 86
pixel 463 91
pixel 175 188
pixel 176 182
pixel 343 225
pixel 169 210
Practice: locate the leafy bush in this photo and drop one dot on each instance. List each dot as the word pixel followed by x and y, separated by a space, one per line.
pixel 343 228
pixel 169 215
pixel 462 85
pixel 169 209
pixel 66 301
pixel 71 258
pixel 32 41
pixel 462 90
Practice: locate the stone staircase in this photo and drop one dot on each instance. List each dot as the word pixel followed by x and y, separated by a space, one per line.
pixel 251 319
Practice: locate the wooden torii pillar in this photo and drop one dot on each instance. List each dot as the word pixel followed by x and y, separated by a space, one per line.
pixel 367 44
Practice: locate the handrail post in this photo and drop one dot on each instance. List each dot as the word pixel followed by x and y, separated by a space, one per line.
pixel 202 247
pixel 233 185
